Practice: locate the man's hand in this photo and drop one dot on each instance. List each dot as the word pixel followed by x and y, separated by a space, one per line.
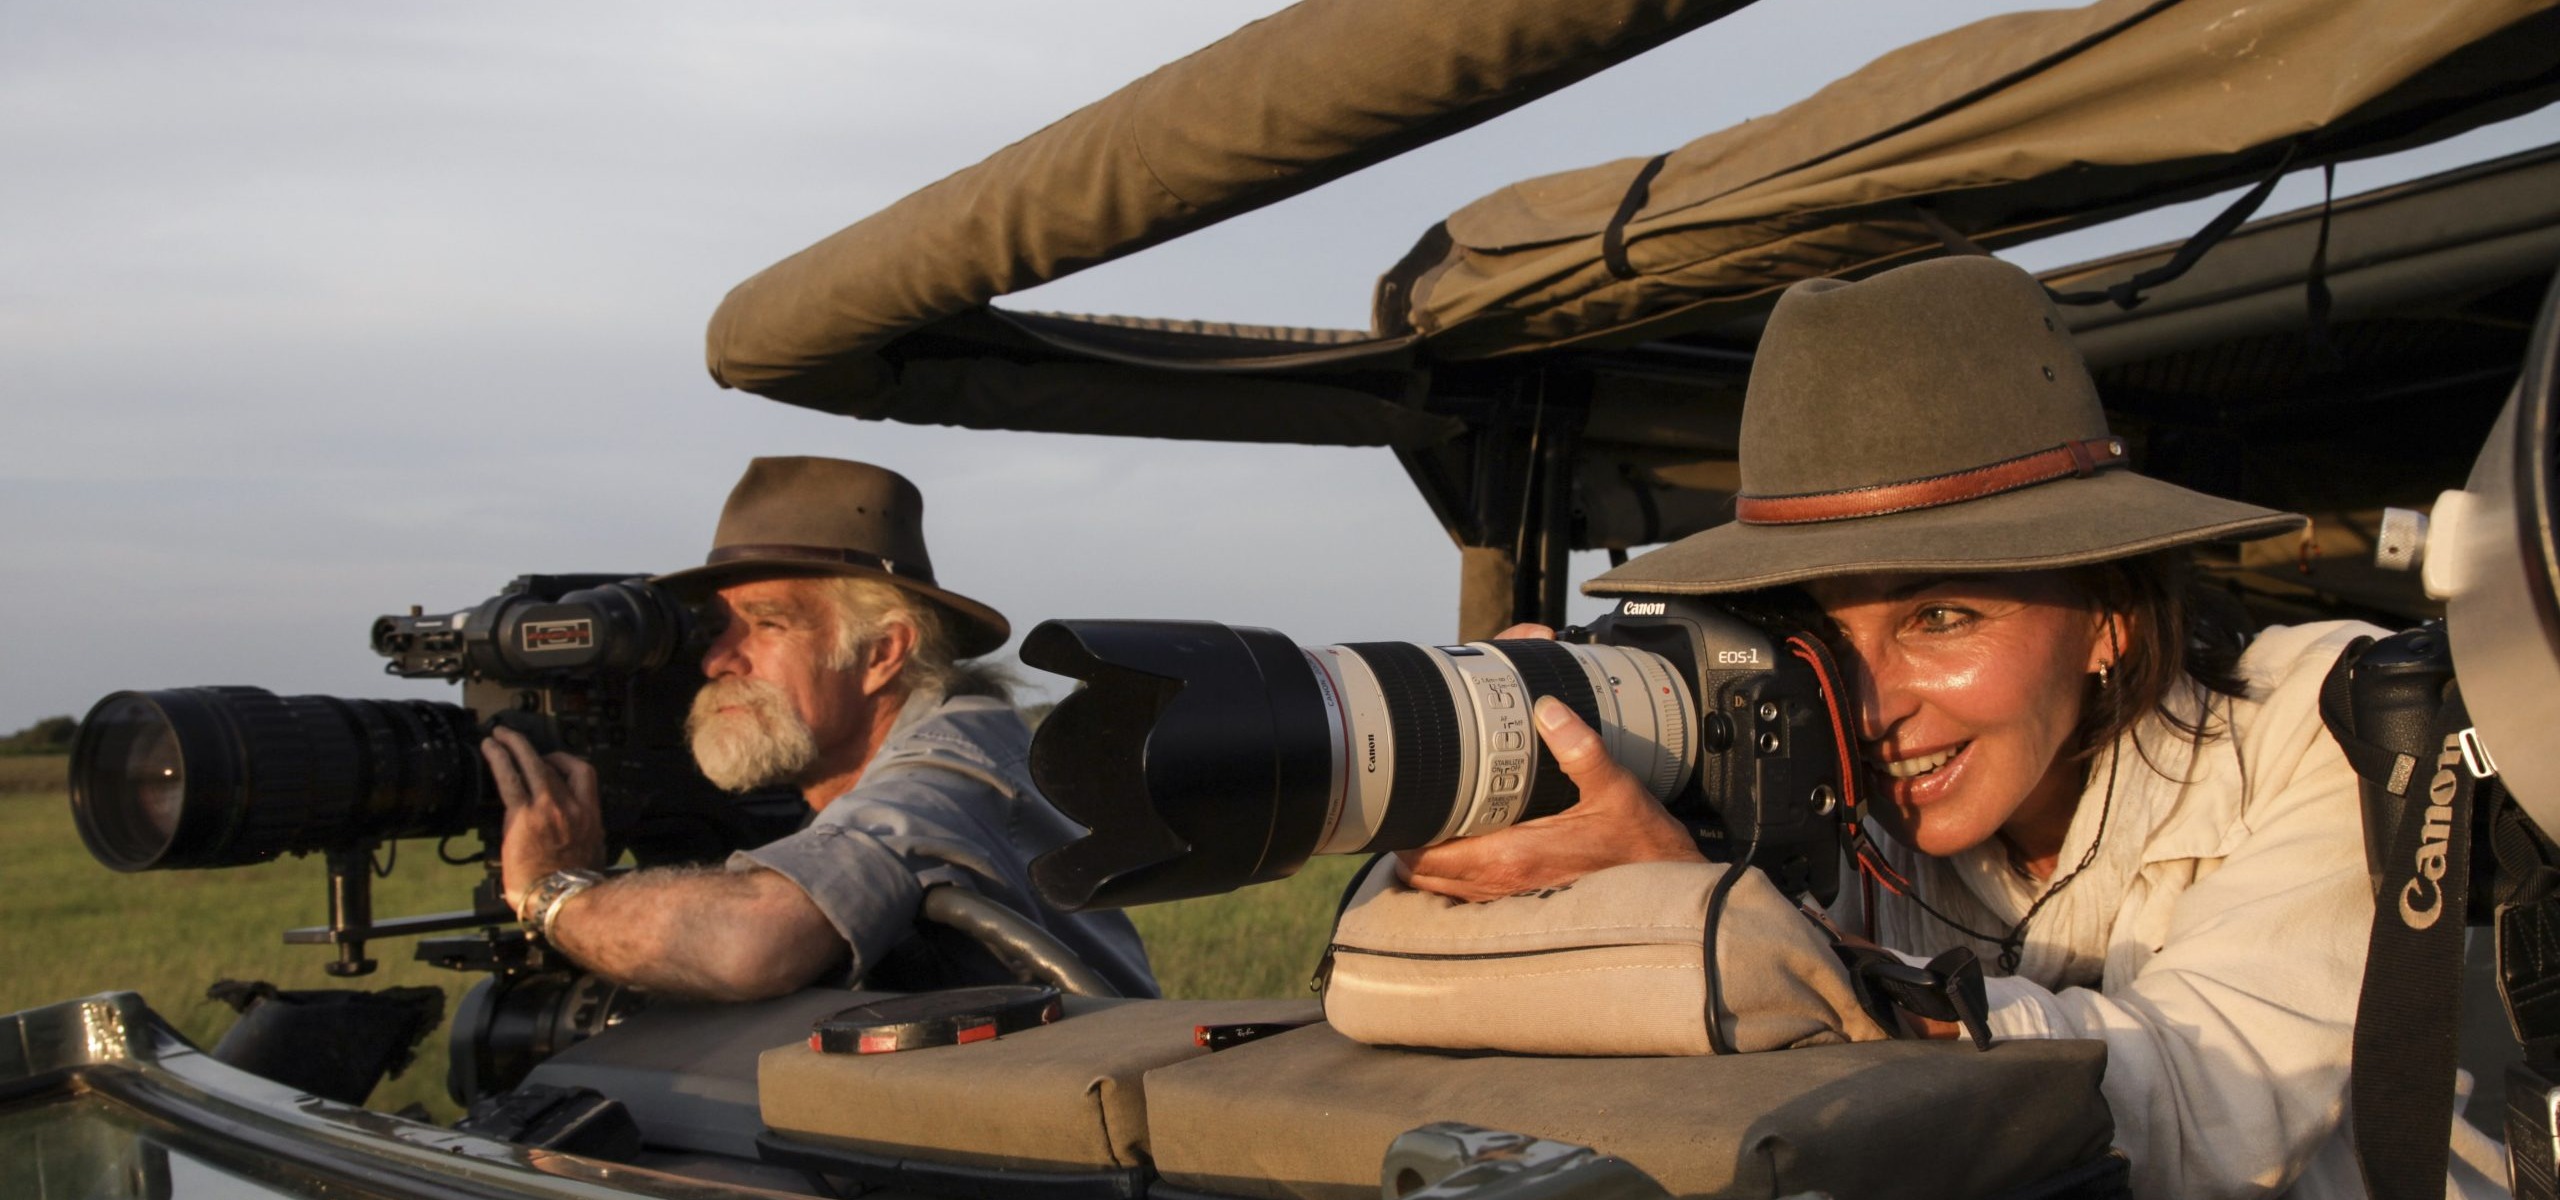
pixel 706 934
pixel 1616 821
pixel 554 820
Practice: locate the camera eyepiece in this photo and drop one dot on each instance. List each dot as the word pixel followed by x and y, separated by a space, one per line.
pixel 544 627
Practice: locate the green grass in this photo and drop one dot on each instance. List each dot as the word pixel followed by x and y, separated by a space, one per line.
pixel 74 928
pixel 22 774
pixel 69 928
pixel 1262 941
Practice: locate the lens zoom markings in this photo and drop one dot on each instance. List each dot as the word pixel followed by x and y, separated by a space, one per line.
pixel 1548 669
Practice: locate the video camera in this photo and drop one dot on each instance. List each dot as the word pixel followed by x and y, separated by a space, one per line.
pixel 1204 758
pixel 604 666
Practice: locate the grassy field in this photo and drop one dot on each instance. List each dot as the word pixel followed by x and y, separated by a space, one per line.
pixel 69 927
pixel 23 774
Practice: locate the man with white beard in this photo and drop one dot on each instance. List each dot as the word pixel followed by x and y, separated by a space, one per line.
pixel 838 669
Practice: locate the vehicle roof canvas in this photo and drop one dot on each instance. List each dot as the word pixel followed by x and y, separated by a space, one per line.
pixel 1999 132
pixel 1314 92
pixel 2012 128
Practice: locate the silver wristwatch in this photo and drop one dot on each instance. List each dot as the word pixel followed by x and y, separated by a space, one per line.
pixel 543 901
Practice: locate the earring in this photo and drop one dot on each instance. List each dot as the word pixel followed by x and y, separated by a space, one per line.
pixel 2106 675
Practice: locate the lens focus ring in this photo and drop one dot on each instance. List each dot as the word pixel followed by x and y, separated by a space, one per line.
pixel 1549 669
pixel 1424 722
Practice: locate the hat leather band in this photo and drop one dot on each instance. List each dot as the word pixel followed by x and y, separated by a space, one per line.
pixel 2082 458
pixel 782 551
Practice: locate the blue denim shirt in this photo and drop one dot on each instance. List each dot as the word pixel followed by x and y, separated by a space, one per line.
pixel 948 799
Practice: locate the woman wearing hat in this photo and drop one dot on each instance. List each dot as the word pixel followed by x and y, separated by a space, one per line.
pixel 2077 764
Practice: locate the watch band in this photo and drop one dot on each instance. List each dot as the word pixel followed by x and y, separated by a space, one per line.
pixel 543 902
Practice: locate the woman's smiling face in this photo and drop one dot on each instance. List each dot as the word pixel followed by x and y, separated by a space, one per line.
pixel 1969 688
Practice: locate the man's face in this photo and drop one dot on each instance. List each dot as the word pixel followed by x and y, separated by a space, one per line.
pixel 774 705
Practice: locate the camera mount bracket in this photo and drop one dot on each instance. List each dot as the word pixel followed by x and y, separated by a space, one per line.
pixel 351 922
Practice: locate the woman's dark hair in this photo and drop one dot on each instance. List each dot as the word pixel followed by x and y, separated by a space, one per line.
pixel 2176 627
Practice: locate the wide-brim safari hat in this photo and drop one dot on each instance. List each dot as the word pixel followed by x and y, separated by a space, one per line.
pixel 1935 417
pixel 827 516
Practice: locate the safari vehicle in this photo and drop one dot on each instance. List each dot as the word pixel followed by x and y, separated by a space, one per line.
pixel 1558 366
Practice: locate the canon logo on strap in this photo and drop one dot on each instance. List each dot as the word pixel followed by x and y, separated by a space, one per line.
pixel 2422 898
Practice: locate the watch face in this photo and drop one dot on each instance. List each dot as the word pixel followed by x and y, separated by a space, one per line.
pixel 549 892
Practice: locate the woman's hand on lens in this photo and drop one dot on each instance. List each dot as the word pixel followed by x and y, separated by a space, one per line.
pixel 1616 822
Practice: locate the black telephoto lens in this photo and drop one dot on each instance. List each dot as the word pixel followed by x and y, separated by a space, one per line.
pixel 226 776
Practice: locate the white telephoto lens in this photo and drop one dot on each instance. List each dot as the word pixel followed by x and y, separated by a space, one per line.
pixel 1433 743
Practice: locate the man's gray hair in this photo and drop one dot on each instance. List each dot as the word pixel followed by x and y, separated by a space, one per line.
pixel 863 607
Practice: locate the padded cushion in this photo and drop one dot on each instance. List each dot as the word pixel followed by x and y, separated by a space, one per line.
pixel 1308 1114
pixel 1063 1097
pixel 1614 964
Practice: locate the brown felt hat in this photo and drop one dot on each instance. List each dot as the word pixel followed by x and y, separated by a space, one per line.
pixel 1935 417
pixel 826 516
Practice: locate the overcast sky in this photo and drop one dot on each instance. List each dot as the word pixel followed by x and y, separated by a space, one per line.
pixel 312 311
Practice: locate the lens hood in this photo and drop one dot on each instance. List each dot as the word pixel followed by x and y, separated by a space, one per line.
pixel 1196 753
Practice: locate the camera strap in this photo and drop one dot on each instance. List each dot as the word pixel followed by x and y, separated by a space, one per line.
pixel 2527 926
pixel 1947 988
pixel 2426 769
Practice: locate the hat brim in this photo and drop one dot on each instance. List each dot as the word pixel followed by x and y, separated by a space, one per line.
pixel 2064 523
pixel 975 628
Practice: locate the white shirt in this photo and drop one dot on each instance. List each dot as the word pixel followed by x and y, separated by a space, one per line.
pixel 2215 941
